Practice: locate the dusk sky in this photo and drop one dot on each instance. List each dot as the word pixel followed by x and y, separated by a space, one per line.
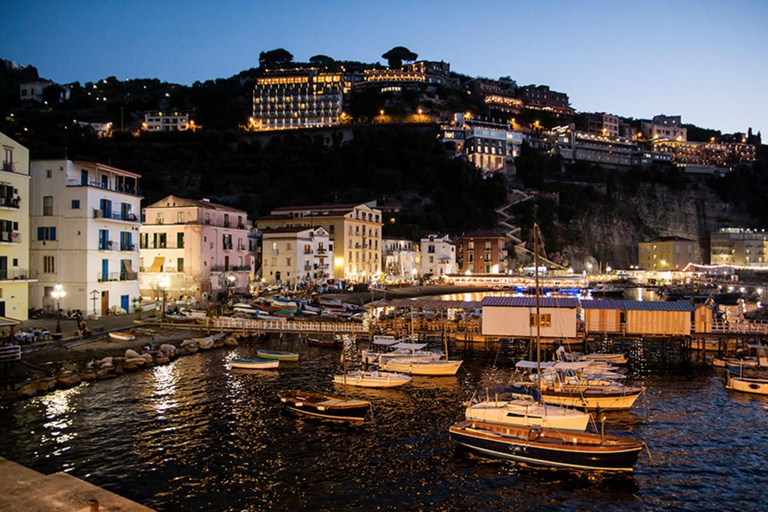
pixel 704 60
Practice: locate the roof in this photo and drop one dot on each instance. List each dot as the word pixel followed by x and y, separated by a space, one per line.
pixel 482 234
pixel 670 239
pixel 289 230
pixel 529 302
pixel 638 305
pixel 320 207
pixel 180 202
pixel 81 163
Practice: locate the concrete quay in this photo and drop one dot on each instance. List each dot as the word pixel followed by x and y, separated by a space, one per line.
pixel 24 489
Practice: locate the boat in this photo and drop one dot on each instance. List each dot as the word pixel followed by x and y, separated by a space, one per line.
pixel 437 368
pixel 276 354
pixel 180 319
pixel 327 342
pixel 372 378
pixel 747 381
pixel 121 336
pixel 325 406
pixel 540 445
pixel 398 348
pixel 254 364
pixel 547 446
pixel 607 290
pixel 567 385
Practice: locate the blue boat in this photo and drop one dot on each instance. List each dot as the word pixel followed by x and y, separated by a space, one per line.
pixel 276 354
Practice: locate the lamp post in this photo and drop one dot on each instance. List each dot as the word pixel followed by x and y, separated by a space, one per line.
pixel 57 294
pixel 164 283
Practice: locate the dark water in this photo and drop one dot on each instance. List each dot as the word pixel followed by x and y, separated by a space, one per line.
pixel 194 435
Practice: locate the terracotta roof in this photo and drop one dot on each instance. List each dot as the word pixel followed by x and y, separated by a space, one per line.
pixel 182 201
pixel 322 207
pixel 93 165
pixel 291 229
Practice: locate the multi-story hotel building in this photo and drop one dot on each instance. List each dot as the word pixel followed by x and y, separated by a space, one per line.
pixel 438 255
pixel 354 231
pixel 84 222
pixel 488 145
pixel 296 256
pixel 482 252
pixel 606 125
pixel 738 246
pixel 194 248
pixel 666 253
pixel 664 128
pixel 400 258
pixel 15 275
pixel 540 96
pixel 300 98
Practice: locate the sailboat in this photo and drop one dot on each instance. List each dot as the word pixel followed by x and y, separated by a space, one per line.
pixel 545 446
pixel 325 406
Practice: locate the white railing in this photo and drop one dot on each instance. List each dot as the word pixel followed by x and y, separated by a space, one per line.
pixel 10 353
pixel 740 328
pixel 247 324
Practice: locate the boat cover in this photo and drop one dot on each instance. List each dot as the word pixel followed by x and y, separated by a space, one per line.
pixel 411 346
pixel 532 364
pixel 385 341
pixel 580 365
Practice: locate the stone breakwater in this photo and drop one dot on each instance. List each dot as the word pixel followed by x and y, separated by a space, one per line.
pixel 111 367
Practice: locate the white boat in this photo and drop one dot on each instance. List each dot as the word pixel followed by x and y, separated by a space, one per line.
pixel 372 379
pixel 416 367
pixel 747 381
pixel 399 348
pixel 254 364
pixel 121 336
pixel 528 413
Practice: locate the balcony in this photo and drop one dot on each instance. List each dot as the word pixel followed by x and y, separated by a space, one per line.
pixel 127 247
pixel 10 237
pixel 105 214
pixel 124 189
pixel 17 274
pixel 105 245
pixel 11 202
pixel 227 246
pixel 109 276
pixel 8 166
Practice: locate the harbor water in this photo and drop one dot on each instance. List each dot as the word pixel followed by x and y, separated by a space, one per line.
pixel 196 435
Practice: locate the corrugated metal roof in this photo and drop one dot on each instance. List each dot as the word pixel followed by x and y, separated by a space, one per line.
pixel 545 302
pixel 434 304
pixel 638 305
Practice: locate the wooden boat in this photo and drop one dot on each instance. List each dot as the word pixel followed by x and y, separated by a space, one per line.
pixel 121 336
pixel 747 381
pixel 180 319
pixel 372 378
pixel 254 364
pixel 276 354
pixel 333 342
pixel 548 447
pixel 325 406
pixel 398 348
pixel 440 368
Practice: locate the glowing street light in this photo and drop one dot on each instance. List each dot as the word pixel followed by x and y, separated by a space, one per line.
pixel 57 294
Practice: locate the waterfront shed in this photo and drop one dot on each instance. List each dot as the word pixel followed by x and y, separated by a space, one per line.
pixel 645 318
pixel 514 317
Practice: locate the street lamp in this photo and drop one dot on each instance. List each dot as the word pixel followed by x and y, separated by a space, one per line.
pixel 57 294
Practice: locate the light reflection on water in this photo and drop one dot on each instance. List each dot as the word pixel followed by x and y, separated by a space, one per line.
pixel 195 435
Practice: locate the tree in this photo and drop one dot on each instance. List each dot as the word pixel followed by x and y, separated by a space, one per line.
pixel 321 60
pixel 276 58
pixel 399 54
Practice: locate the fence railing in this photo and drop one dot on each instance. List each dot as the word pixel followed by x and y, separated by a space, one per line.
pixel 247 324
pixel 11 353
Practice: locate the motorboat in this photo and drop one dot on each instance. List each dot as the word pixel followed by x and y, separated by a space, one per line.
pixel 325 406
pixel 372 378
pixel 436 368
pixel 747 381
pixel 254 364
pixel 121 336
pixel 277 354
pixel 398 348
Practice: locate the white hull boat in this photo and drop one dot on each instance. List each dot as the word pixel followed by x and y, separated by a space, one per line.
pixel 757 385
pixel 372 379
pixel 254 364
pixel 528 413
pixel 411 367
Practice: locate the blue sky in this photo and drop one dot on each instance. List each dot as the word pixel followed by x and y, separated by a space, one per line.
pixel 704 60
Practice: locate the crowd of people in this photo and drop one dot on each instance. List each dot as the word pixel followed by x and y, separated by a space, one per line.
pixel 24 337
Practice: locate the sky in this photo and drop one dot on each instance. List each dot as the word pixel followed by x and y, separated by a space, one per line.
pixel 704 60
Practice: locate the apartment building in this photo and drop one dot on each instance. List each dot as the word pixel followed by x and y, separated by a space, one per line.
pixel 194 248
pixel 354 232
pixel 400 258
pixel 541 96
pixel 482 252
pixel 438 255
pixel 739 247
pixel 15 274
pixel 664 128
pixel 167 122
pixel 84 220
pixel 487 144
pixel 296 256
pixel 666 253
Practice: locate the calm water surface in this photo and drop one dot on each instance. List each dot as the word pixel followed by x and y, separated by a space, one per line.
pixel 195 435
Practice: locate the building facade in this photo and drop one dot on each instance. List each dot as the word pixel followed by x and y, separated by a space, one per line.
pixel 400 258
pixel 195 249
pixel 354 231
pixel 15 275
pixel 540 96
pixel 167 122
pixel 664 128
pixel 739 247
pixel 666 253
pixel 438 255
pixel 296 256
pixel 84 224
pixel 482 252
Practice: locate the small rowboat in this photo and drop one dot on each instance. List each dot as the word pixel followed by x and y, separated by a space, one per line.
pixel 181 319
pixel 254 364
pixel 324 406
pixel 276 354
pixel 122 336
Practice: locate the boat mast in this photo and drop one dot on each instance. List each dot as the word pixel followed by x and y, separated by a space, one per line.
pixel 538 318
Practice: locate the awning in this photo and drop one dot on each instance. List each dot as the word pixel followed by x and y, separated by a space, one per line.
pixel 157 265
pixel 129 273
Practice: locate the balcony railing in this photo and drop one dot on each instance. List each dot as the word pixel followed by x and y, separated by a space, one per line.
pixel 109 276
pixel 10 202
pixel 105 214
pixel 227 246
pixel 17 274
pixel 10 237
pixel 8 166
pixel 124 276
pixel 105 245
pixel 127 247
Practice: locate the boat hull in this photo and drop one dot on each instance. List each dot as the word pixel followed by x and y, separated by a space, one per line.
pixel 368 380
pixel 254 364
pixel 548 447
pixel 604 400
pixel 756 386
pixel 121 336
pixel 433 368
pixel 528 413
pixel 274 354
pixel 325 407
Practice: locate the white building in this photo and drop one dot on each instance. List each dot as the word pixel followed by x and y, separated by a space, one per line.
pixel 510 317
pixel 33 91
pixel 664 128
pixel 296 256
pixel 438 255
pixel 400 258
pixel 15 273
pixel 85 225
pixel 167 122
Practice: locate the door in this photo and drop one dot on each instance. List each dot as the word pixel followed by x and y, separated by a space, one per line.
pixel 125 303
pixel 3 268
pixel 105 270
pixel 2 308
pixel 83 177
pixel 104 303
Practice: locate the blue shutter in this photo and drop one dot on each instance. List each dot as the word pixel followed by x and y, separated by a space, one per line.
pixel 41 233
pixel 53 232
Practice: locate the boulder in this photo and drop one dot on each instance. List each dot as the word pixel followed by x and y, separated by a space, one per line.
pixel 68 380
pixel 169 350
pixel 162 360
pixel 107 365
pixel 105 361
pixel 88 375
pixel 130 367
pixel 44 385
pixel 147 358
pixel 130 354
pixel 230 342
pixel 27 391
pixel 205 343
pixel 136 361
pixel 105 374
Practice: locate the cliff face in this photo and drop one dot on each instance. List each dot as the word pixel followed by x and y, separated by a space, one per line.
pixel 609 234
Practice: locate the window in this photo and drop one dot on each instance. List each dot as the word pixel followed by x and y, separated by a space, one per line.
pixel 431 249
pixel 48 205
pixel 104 244
pixel 307 249
pixel 46 233
pixel 179 264
pixel 75 204
pixel 48 173
pixel 545 320
pixel 226 220
pixel 48 265
pixel 288 261
pixel 144 240
pixel 207 218
pixel 180 218
pixel 180 240
pixel 160 217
